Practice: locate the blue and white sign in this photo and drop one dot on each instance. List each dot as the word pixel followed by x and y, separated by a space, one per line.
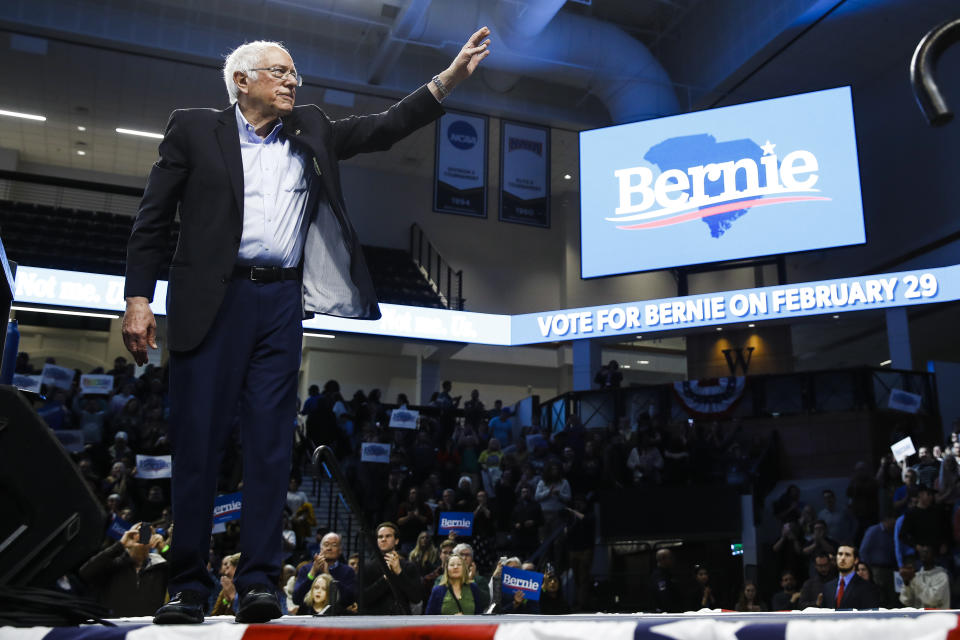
pixel 227 507
pixel 118 527
pixel 524 174
pixel 905 401
pixel 460 177
pixel 27 383
pixel 54 376
pixel 755 179
pixel 153 467
pixel 404 418
pixel 528 582
pixel 459 522
pixel 92 383
pixel 375 452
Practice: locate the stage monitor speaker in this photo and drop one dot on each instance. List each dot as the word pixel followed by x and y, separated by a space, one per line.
pixel 50 520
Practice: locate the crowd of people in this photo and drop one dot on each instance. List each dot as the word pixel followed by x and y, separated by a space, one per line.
pixel 532 496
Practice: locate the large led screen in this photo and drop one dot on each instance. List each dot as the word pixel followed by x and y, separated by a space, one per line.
pixel 756 179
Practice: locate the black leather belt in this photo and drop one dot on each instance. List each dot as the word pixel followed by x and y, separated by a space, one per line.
pixel 265 274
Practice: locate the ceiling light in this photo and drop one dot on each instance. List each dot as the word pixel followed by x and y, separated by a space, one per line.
pixel 626 366
pixel 719 328
pixel 639 337
pixel 81 128
pixel 81 152
pixel 25 116
pixel 836 317
pixel 885 363
pixel 64 312
pixel 144 134
pixel 567 176
pixel 751 325
pixel 643 361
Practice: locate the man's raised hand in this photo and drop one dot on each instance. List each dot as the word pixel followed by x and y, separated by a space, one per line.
pixel 464 64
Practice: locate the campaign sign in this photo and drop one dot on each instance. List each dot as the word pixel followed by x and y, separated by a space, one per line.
pixel 54 376
pixel 460 178
pixel 227 508
pixel 762 178
pixel 153 467
pixel 403 418
pixel 118 527
pixel 904 401
pixel 375 452
pixel 903 449
pixel 524 174
pixel 96 384
pixel 529 582
pixel 459 522
pixel 27 383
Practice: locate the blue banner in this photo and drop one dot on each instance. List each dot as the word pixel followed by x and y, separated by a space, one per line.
pixel 524 174
pixel 375 452
pixel 529 582
pixel 118 527
pixel 762 178
pixel 460 178
pixel 227 508
pixel 460 522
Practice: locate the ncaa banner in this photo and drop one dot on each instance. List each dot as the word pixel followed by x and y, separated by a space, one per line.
pixel 524 174
pixel 460 165
pixel 227 507
pixel 459 522
pixel 529 582
pixel 153 467
pixel 763 178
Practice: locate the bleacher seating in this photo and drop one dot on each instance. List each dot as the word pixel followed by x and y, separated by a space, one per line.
pixel 96 241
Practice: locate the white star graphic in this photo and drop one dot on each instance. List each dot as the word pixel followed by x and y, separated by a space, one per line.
pixel 768 148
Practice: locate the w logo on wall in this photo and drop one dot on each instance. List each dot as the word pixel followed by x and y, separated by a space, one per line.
pixel 736 359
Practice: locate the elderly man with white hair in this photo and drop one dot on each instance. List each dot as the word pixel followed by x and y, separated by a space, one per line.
pixel 264 240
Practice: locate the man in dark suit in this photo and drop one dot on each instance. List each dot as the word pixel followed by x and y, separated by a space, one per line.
pixel 379 598
pixel 264 240
pixel 849 591
pixel 328 561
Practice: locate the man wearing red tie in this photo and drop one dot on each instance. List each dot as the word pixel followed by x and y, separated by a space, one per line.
pixel 849 591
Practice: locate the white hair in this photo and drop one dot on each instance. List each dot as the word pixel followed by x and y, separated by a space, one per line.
pixel 245 58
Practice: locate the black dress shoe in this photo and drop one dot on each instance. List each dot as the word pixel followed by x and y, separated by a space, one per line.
pixel 258 604
pixel 185 608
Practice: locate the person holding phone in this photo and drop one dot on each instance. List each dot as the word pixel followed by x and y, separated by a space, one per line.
pixel 130 576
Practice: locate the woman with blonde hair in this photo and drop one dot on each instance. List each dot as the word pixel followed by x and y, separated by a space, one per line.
pixel 319 595
pixel 456 594
pixel 228 592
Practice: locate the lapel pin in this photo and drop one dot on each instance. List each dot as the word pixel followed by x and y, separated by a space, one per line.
pixel 297 132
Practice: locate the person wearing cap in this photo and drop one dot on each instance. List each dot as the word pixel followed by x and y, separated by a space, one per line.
pixel 378 597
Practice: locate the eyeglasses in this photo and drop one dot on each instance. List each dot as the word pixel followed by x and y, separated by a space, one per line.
pixel 280 74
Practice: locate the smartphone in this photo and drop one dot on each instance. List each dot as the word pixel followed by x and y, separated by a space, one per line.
pixel 145 531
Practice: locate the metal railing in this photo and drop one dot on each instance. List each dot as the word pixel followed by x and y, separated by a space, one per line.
pixel 445 282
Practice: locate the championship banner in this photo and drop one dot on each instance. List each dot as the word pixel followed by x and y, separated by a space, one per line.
pixel 459 522
pixel 403 418
pixel 375 452
pixel 460 165
pixel 153 467
pixel 118 527
pixel 710 397
pixel 96 384
pixel 54 376
pixel 524 174
pixel 529 582
pixel 227 508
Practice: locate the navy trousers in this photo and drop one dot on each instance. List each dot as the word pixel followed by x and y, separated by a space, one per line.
pixel 247 366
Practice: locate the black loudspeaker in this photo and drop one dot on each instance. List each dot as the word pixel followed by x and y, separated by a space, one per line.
pixel 50 521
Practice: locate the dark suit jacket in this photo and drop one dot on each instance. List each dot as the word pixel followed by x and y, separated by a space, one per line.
pixel 859 594
pixel 201 170
pixel 378 598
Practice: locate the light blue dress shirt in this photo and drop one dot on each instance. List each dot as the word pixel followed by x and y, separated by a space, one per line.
pixel 274 198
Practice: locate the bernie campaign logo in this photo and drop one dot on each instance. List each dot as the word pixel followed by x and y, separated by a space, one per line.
pixel 153 464
pixel 521 584
pixel 455 523
pixel 226 508
pixel 716 182
pixel 462 135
